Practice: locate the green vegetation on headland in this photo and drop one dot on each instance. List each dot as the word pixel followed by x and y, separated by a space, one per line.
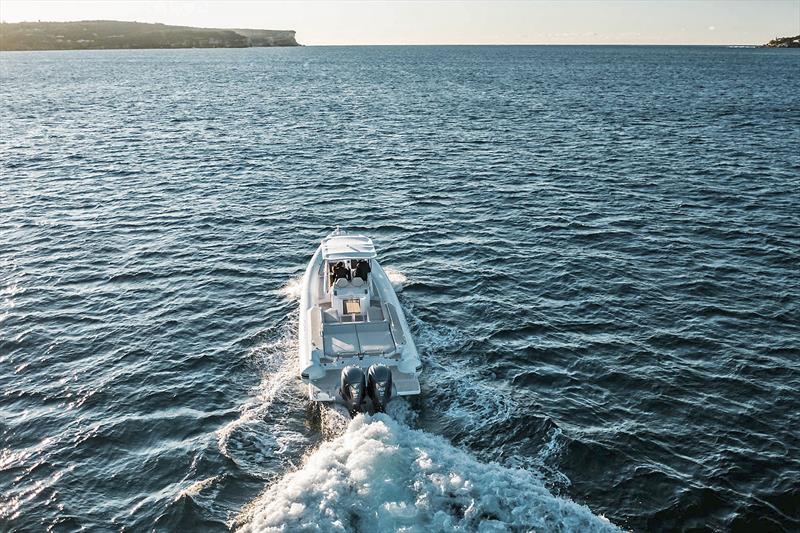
pixel 109 34
pixel 784 42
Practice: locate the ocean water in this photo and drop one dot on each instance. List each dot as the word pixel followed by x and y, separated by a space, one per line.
pixel 597 249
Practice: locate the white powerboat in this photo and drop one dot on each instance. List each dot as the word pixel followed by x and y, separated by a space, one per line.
pixel 355 345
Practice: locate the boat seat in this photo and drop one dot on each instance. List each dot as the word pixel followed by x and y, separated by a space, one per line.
pixel 375 337
pixel 357 282
pixel 341 283
pixel 341 340
pixel 372 326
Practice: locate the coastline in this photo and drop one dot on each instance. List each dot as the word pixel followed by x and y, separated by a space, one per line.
pixel 119 35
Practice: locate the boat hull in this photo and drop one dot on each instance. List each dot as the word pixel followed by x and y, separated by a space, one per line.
pixel 321 356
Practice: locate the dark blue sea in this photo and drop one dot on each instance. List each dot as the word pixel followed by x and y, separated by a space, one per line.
pixel 597 249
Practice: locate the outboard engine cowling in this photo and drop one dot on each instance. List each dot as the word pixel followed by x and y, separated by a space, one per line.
pixel 379 386
pixel 353 388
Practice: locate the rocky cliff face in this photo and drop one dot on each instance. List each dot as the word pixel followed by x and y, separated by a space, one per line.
pixel 269 37
pixel 104 34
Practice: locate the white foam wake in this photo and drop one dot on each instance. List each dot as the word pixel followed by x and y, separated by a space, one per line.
pixel 292 288
pixel 279 373
pixel 396 278
pixel 381 475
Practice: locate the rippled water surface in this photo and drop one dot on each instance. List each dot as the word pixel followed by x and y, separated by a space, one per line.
pixel 597 249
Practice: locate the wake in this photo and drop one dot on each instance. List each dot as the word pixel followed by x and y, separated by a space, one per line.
pixel 379 473
pixel 382 475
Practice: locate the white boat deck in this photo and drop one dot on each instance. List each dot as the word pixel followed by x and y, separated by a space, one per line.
pixel 373 336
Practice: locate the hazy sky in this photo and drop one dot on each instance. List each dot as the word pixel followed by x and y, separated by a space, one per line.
pixel 455 22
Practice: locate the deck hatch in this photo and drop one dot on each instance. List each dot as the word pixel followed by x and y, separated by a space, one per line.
pixel 352 306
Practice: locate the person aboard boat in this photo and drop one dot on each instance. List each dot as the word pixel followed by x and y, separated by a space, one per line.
pixel 341 272
pixel 363 269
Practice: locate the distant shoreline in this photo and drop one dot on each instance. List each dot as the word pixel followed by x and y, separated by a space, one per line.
pixel 550 45
pixel 784 42
pixel 121 35
pixel 117 35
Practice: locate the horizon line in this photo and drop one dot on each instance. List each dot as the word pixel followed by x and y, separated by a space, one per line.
pixel 754 44
pixel 362 45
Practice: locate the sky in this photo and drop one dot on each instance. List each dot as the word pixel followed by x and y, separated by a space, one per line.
pixel 453 22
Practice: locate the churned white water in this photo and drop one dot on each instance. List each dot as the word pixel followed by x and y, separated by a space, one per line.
pixel 292 288
pixel 397 278
pixel 382 475
pixel 279 366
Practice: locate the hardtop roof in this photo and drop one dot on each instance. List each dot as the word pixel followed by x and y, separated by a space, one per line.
pixel 339 247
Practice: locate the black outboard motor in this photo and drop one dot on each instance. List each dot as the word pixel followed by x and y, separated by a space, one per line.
pixel 379 386
pixel 353 389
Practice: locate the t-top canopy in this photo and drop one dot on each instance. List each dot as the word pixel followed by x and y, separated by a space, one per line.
pixel 340 247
